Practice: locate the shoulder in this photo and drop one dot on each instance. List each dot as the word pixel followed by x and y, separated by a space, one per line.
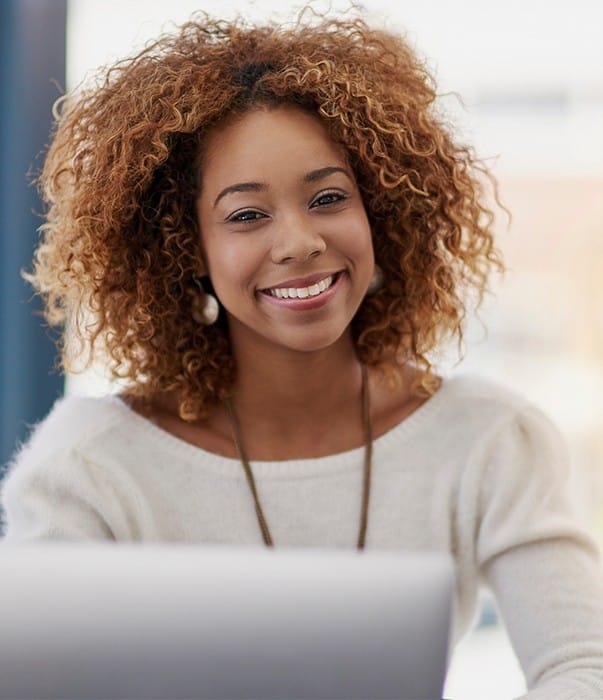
pixel 514 446
pixel 485 405
pixel 473 391
pixel 57 484
pixel 497 431
pixel 49 480
pixel 462 402
pixel 463 411
pixel 515 484
pixel 73 422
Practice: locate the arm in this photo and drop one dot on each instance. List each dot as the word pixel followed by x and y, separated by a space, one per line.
pixel 539 562
pixel 551 600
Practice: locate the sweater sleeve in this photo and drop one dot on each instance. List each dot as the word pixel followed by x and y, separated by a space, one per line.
pixel 540 564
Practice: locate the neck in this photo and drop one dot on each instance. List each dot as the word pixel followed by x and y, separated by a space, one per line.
pixel 295 381
pixel 307 378
pixel 285 399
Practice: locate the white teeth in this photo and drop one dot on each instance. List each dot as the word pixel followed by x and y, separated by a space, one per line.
pixel 302 292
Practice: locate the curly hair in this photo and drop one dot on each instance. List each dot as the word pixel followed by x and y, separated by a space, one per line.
pixel 119 248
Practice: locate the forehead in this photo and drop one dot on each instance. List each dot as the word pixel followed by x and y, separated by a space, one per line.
pixel 266 140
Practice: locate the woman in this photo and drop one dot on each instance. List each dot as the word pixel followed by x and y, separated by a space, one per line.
pixel 266 232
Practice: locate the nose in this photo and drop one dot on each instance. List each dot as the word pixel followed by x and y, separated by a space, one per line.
pixel 297 239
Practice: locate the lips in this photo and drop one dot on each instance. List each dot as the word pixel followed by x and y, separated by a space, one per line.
pixel 304 288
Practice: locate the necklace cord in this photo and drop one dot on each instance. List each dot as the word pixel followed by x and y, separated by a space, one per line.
pixel 368 458
pixel 267 537
pixel 367 467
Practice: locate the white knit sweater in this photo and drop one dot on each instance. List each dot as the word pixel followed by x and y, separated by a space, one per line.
pixel 476 471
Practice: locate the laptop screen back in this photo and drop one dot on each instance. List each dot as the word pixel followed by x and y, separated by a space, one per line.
pixel 125 621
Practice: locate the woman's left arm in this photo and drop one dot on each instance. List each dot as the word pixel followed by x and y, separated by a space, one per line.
pixel 541 565
pixel 551 600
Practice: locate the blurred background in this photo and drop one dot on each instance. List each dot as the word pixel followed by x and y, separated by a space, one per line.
pixel 523 82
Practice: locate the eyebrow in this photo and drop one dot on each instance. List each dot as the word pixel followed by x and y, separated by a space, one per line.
pixel 241 187
pixel 312 176
pixel 321 173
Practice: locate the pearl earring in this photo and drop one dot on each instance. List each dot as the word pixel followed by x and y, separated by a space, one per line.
pixel 205 307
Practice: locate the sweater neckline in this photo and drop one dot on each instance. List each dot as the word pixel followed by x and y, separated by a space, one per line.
pixel 397 433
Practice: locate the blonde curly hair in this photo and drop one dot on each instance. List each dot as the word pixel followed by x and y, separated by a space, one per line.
pixel 120 246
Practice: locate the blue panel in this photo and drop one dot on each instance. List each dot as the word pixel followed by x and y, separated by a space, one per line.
pixel 32 63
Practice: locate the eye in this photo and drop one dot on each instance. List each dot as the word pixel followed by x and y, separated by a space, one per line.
pixel 245 216
pixel 327 198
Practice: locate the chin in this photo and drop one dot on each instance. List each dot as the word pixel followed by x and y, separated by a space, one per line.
pixel 309 337
pixel 309 343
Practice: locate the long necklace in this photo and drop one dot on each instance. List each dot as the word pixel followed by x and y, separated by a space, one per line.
pixel 366 481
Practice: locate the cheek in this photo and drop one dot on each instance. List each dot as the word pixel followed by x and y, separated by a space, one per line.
pixel 365 242
pixel 356 236
pixel 230 264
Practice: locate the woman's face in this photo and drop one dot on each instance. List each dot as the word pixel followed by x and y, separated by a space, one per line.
pixel 285 236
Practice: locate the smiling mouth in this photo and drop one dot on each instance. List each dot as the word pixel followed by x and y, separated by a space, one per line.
pixel 312 290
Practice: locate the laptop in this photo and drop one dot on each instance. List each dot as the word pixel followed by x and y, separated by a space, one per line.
pixel 173 622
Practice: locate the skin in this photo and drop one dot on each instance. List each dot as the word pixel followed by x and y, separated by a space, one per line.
pixel 279 207
pixel 305 219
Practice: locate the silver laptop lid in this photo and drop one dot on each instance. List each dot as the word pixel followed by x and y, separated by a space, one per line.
pixel 125 621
